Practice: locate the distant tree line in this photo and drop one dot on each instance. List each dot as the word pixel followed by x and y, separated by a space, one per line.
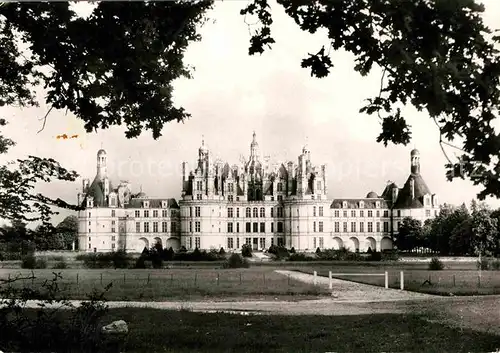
pixel 17 240
pixel 455 231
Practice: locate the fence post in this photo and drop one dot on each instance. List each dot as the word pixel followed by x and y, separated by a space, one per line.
pixel 77 278
pixel 101 278
pixel 315 279
pixel 149 277
pixel 32 277
pixel 240 277
pixel 402 280
pixel 479 281
pixel 171 279
pixel 330 284
pixel 195 276
pixel 386 280
pixel 453 280
pixel 217 279
pixel 124 278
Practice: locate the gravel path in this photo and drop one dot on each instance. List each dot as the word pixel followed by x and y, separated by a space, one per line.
pixel 346 291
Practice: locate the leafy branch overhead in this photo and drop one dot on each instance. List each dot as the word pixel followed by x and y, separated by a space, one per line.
pixel 436 55
pixel 118 65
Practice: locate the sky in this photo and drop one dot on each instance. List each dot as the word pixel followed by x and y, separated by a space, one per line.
pixel 232 95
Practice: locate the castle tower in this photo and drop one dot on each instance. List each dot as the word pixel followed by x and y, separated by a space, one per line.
pixel 101 164
pixel 415 161
pixel 254 148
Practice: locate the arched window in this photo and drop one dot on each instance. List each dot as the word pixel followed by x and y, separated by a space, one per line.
pixel 262 212
pixel 247 212
pixel 255 212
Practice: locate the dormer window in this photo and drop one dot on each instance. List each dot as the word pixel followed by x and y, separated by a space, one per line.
pixel 145 204
pixel 344 204
pixel 164 204
pixel 361 204
pixel 377 204
pixel 90 202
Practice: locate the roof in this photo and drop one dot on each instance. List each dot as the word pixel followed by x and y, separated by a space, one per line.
pixel 96 190
pixel 354 203
pixel 153 203
pixel 404 199
pixel 372 195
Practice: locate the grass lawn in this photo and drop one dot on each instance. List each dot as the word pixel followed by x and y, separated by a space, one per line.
pixel 182 331
pixel 175 284
pixel 458 282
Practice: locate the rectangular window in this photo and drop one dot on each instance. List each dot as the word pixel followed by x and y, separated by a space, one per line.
pixel 230 212
pixel 163 227
pixel 164 213
pixel 237 212
pixel 137 213
pixel 113 246
pixel 337 213
pixel 272 211
pixel 399 213
pixel 314 211
pixel 197 226
pixel 146 213
pixel 386 227
pixel 272 241
pixel 113 230
pixel 155 213
pixel 362 227
pixel 345 213
pixel 280 197
pixel 255 227
pixel 237 243
pixel 190 227
pixel 190 242
pixel 230 227
pixel 321 211
pixel 280 187
pixel 386 213
pixel 353 213
pixel 198 197
pixel 197 211
pixel 197 242
pixel 255 212
pixel 321 243
pixel 314 243
pixel 146 227
pixel 370 213
pixel 280 211
pixel 90 214
pixel 137 227
pixel 237 227
pixel 229 243
pixel 90 223
pixel 361 213
pixel 262 242
pixel 248 212
pixel 248 227
pixel 370 227
pixel 337 227
pixel 190 211
pixel 199 186
pixel 427 213
pixel 280 227
pixel 173 227
pixel 272 227
pixel 230 198
pixel 399 225
pixel 262 212
pixel 344 227
pixel 377 214
pixel 314 227
pixel 230 187
pixel 89 238
pixel 113 213
pixel 320 226
pixel 281 242
pixel 155 227
pixel 353 227
pixel 378 227
pixel 262 227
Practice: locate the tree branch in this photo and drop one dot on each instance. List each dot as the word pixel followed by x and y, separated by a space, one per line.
pixel 45 119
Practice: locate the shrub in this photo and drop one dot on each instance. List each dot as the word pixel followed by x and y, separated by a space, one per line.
pixel 28 261
pixel 488 264
pixel 168 254
pixel 318 251
pixel 374 256
pixel 390 255
pixel 183 249
pixel 236 261
pixel 120 259
pixel 222 251
pixel 246 250
pixel 292 250
pixel 495 265
pixel 299 257
pixel 436 264
pixel 141 262
pixel 156 259
pixel 369 250
pixel 60 265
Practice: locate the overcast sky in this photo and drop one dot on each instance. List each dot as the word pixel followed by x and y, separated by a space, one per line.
pixel 232 95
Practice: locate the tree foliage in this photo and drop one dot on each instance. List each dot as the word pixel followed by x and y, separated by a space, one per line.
pixel 409 234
